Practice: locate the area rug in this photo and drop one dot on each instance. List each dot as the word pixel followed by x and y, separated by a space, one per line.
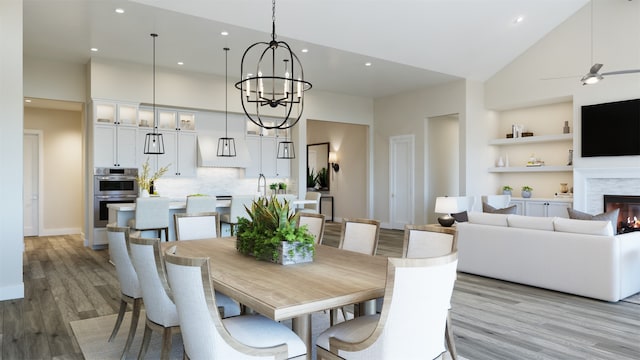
pixel 92 335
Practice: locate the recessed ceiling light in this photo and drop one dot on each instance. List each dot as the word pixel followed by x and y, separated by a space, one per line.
pixel 224 33
pixel 518 20
pixel 120 10
pixel 180 63
pixel 94 49
pixel 27 100
pixel 367 64
pixel 304 50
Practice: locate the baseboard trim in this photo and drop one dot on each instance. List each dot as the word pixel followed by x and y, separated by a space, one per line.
pixel 12 292
pixel 60 231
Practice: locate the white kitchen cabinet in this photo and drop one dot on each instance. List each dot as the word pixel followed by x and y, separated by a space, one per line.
pixel 179 153
pixel 114 135
pixel 271 166
pixel 519 206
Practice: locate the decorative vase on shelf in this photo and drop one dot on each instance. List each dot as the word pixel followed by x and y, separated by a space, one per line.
pixel 526 194
pixel 506 192
pixel 144 193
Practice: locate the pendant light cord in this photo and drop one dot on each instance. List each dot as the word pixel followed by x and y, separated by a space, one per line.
pixel 155 124
pixel 226 74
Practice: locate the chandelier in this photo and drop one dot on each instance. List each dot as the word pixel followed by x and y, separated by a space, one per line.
pixel 153 142
pixel 266 89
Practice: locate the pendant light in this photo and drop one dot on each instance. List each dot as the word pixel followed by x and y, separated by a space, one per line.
pixel 226 145
pixel 269 90
pixel 153 143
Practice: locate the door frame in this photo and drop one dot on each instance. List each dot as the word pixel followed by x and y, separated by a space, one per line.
pixel 410 140
pixel 40 136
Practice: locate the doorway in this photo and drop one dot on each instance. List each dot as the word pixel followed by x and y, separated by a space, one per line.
pixel 32 159
pixel 401 180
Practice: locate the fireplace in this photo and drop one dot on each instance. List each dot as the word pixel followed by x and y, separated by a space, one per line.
pixel 629 215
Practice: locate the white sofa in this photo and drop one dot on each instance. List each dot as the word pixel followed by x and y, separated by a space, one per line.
pixel 580 257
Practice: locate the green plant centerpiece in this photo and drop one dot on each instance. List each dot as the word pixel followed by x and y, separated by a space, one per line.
pixel 271 233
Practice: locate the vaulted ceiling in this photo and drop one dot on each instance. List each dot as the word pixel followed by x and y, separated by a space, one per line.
pixel 410 43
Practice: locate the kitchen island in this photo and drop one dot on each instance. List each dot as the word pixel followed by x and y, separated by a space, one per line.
pixel 120 214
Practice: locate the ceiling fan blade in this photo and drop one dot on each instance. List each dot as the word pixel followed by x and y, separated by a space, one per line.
pixel 595 68
pixel 562 77
pixel 631 71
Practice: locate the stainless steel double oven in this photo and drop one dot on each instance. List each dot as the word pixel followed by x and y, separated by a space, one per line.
pixel 112 185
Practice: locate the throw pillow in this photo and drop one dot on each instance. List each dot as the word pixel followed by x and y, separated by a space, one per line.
pixel 461 216
pixel 490 209
pixel 611 216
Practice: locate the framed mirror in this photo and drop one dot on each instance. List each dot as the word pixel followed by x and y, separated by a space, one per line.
pixel 318 166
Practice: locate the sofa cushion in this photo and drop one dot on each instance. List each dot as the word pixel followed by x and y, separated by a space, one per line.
pixel 588 227
pixel 530 222
pixel 607 216
pixel 490 209
pixel 476 217
pixel 461 216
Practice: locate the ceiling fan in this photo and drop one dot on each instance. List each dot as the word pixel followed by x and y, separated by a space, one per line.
pixel 593 76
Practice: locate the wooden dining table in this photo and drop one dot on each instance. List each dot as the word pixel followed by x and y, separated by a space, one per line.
pixel 335 278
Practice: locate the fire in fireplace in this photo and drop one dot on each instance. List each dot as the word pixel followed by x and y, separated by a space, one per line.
pixel 628 217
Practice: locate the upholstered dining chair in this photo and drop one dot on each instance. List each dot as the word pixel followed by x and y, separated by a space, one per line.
pixel 201 203
pixel 399 331
pixel 424 241
pixel 206 336
pixel 359 235
pixel 195 226
pixel 315 224
pixel 315 207
pixel 130 291
pixel 162 315
pixel 237 210
pixel 152 213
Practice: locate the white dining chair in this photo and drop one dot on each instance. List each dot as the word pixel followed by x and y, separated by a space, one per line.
pixel 425 241
pixel 399 331
pixel 201 203
pixel 315 207
pixel 152 213
pixel 237 210
pixel 206 336
pixel 196 226
pixel 315 224
pixel 359 235
pixel 130 290
pixel 161 312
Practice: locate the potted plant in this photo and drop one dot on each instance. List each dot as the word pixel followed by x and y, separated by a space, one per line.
pixel 274 188
pixel 323 178
pixel 506 190
pixel 145 181
pixel 526 191
pixel 271 234
pixel 283 186
pixel 312 178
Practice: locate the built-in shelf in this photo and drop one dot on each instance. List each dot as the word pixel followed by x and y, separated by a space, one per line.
pixel 514 169
pixel 533 139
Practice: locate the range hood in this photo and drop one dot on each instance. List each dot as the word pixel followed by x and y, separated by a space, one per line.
pixel 208 147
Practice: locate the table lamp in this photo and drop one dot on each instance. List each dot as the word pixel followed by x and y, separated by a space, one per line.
pixel 446 205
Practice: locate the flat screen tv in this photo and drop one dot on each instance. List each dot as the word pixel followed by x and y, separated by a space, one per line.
pixel 611 129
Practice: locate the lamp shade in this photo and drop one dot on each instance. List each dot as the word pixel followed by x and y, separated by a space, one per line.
pixel 333 157
pixel 448 205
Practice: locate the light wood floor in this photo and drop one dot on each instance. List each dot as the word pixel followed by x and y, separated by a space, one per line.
pixel 492 320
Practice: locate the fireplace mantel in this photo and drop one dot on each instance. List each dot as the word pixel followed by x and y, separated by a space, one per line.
pixel 591 184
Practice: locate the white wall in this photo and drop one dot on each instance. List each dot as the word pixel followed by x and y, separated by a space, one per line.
pixel 404 114
pixel 11 103
pixel 47 79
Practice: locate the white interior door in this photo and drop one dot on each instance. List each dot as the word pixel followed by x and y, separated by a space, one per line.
pixel 31 172
pixel 401 199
